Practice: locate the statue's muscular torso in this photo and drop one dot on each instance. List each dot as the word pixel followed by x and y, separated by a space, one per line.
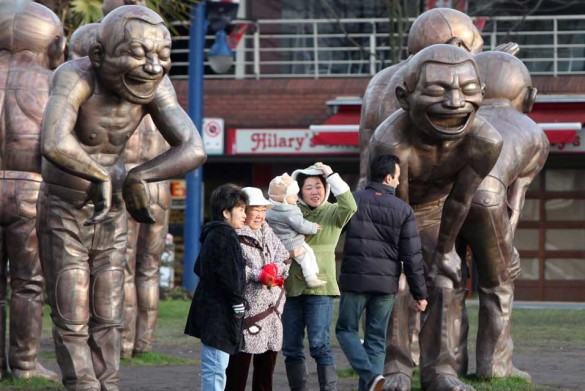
pixel 429 170
pixel 24 92
pixel 145 143
pixel 103 125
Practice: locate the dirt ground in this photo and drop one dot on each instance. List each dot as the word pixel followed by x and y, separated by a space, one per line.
pixel 562 369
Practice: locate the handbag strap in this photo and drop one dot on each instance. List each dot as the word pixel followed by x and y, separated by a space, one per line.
pixel 252 320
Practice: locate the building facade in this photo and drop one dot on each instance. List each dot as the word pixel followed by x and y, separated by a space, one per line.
pixel 293 97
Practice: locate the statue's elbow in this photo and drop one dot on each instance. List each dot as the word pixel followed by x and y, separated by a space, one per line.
pixel 200 157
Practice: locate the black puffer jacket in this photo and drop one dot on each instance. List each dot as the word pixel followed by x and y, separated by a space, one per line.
pixel 382 233
pixel 221 269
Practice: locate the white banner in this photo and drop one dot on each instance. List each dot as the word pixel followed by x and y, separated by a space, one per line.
pixel 280 142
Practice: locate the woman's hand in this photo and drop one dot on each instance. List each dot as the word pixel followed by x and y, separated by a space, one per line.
pixel 325 168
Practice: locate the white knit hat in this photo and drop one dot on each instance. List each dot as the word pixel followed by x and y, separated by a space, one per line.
pixel 281 187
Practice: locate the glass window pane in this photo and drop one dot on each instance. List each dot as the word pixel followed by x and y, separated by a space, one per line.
pixel 526 239
pixel 529 268
pixel 563 209
pixel 564 269
pixel 535 184
pixel 530 210
pixel 564 180
pixel 565 239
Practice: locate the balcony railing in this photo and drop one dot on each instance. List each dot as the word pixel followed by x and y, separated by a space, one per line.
pixel 320 48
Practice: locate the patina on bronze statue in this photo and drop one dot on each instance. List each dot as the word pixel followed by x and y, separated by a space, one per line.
pixel 445 151
pixel 96 104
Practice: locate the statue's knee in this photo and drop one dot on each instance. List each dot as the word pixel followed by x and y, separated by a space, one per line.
pixel 72 295
pixel 108 294
pixel 488 198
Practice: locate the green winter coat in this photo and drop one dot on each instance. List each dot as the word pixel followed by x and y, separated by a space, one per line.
pixel 332 218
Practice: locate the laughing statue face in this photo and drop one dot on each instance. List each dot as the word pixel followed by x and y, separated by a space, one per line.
pixel 132 61
pixel 444 96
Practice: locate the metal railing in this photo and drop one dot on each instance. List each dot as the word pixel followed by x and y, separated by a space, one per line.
pixel 320 48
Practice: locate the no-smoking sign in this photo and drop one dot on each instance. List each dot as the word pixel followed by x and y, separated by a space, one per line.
pixel 213 135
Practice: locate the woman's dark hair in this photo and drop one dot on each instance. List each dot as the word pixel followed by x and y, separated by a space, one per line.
pixel 383 165
pixel 301 178
pixel 226 197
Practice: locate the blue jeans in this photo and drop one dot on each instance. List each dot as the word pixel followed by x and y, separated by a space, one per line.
pixel 315 313
pixel 366 359
pixel 213 365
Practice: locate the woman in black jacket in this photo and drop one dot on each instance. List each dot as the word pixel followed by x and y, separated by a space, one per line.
pixel 217 308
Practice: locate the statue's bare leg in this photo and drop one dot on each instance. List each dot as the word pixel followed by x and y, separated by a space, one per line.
pixel 441 331
pixel 19 196
pixel 488 232
pixel 3 283
pixel 151 243
pixel 83 267
pixel 399 363
pixel 145 246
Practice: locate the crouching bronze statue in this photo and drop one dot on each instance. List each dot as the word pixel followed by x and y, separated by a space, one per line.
pixel 445 151
pixel 31 46
pixel 96 104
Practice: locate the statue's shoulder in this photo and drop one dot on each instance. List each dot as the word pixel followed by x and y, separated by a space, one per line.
pixel 383 77
pixel 73 72
pixel 394 129
pixel 483 133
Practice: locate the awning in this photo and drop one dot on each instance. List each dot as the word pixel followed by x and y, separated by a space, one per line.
pixel 561 132
pixel 339 129
pixel 343 129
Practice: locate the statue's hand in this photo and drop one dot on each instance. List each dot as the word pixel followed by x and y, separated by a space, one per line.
pixel 100 194
pixel 510 48
pixel 137 198
pixel 448 265
pixel 514 266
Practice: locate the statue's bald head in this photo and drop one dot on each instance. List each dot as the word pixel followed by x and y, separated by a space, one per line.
pixel 25 25
pixel 439 54
pixel 113 28
pixel 81 40
pixel 506 77
pixel 110 5
pixel 444 25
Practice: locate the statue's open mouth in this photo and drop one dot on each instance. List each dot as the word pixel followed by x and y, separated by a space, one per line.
pixel 141 87
pixel 451 124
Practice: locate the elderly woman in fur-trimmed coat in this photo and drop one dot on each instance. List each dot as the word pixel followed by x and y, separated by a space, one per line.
pixel 266 268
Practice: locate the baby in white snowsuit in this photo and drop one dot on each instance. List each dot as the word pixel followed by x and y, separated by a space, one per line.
pixel 287 222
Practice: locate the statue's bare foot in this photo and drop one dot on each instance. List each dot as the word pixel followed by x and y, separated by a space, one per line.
pixel 521 374
pixel 449 383
pixel 39 371
pixel 397 382
pixel 515 372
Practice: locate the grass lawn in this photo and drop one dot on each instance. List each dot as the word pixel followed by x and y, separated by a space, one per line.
pixel 534 330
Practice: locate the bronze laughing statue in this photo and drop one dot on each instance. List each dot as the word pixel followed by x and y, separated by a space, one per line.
pixel 437 25
pixel 31 46
pixel 495 210
pixel 145 241
pixel 96 104
pixel 445 151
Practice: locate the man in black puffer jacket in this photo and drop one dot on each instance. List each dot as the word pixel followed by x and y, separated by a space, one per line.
pixel 381 240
